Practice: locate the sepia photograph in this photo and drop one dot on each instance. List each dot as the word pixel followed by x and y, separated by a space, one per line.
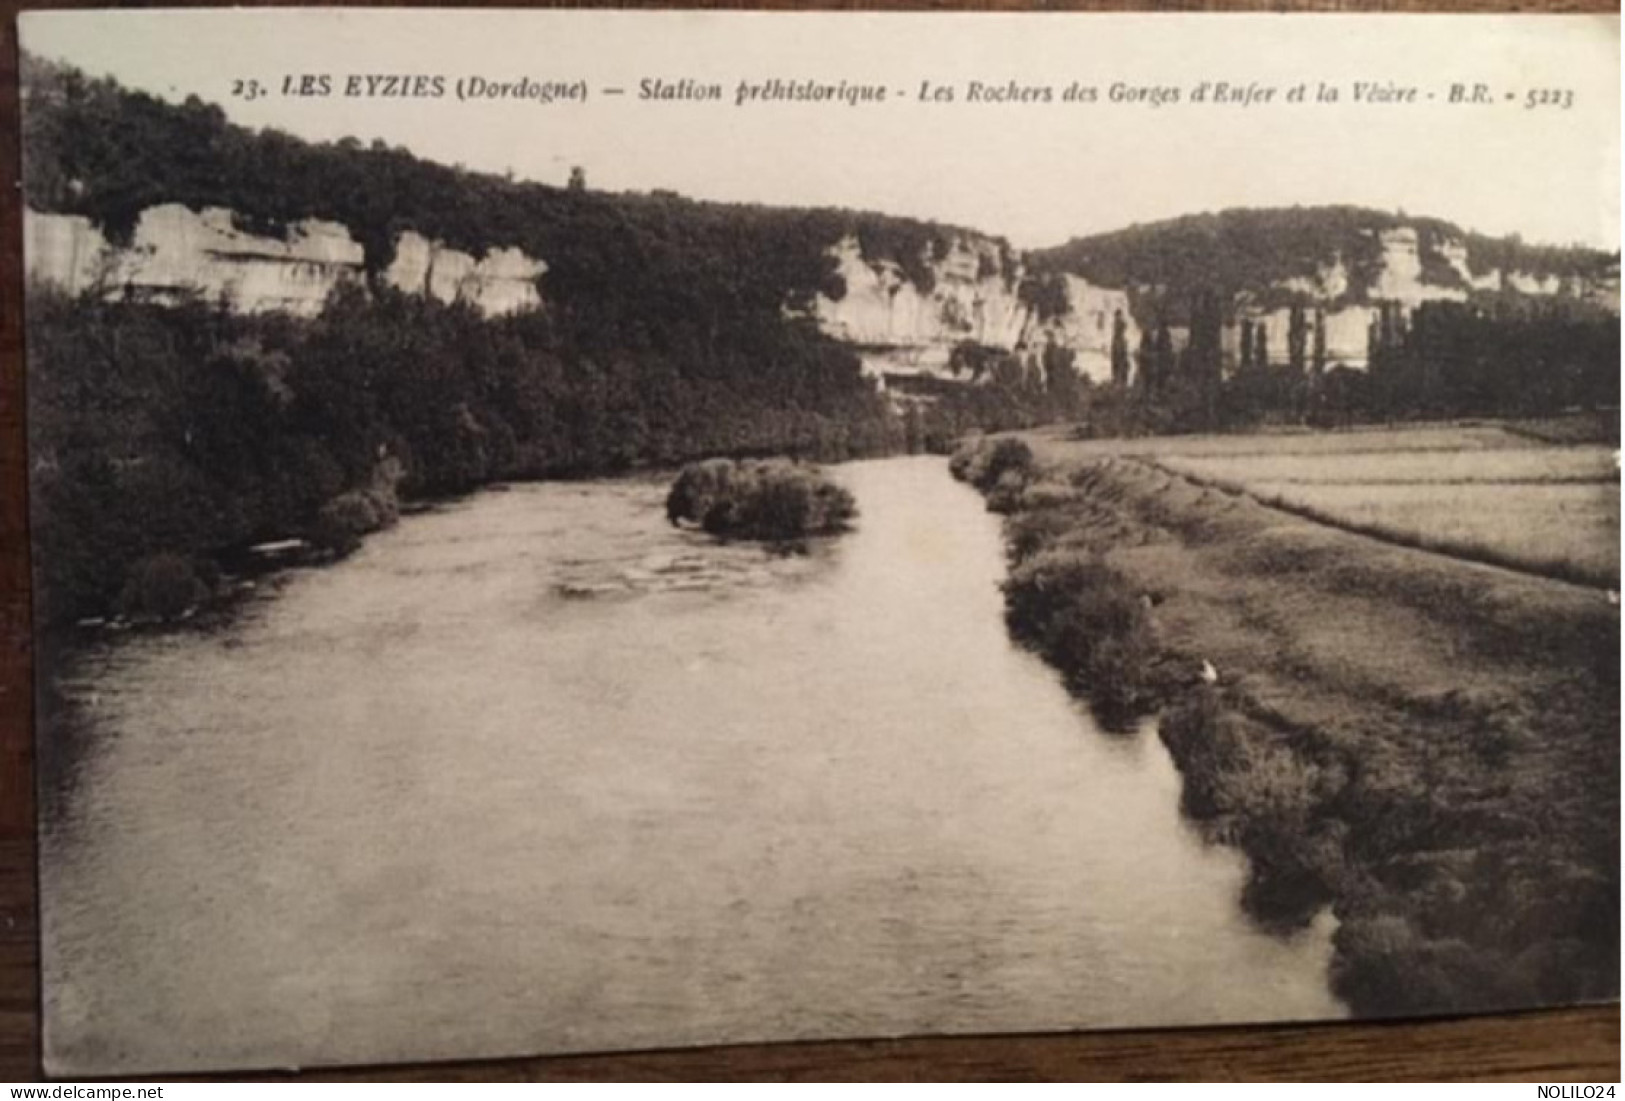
pixel 589 531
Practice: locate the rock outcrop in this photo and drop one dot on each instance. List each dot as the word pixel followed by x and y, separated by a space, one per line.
pixel 1402 279
pixel 65 251
pixel 1348 265
pixel 971 299
pixel 1086 327
pixel 177 253
pixel 973 295
pixel 502 282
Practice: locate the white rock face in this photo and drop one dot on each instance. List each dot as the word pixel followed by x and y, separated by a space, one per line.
pixel 64 251
pixel 1348 336
pixel 1086 328
pixel 1455 254
pixel 902 330
pixel 882 307
pixel 503 282
pixel 1400 279
pixel 176 253
pixel 1524 283
pixel 1604 291
pixel 897 328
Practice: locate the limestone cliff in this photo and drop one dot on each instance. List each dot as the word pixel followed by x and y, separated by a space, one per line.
pixel 178 253
pixel 1086 327
pixel 972 294
pixel 970 298
pixel 503 281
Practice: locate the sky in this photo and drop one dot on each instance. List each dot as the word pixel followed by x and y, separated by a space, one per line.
pixel 1036 173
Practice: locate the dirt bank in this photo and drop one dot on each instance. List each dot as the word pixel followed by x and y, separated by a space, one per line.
pixel 1428 745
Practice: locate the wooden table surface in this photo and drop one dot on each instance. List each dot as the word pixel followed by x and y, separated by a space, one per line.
pixel 1563 1047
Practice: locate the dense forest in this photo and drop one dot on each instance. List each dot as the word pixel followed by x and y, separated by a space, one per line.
pixel 1520 357
pixel 188 431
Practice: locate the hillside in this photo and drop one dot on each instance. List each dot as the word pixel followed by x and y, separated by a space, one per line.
pixel 165 200
pixel 109 154
pixel 1335 256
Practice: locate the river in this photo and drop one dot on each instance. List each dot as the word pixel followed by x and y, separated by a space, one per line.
pixel 534 772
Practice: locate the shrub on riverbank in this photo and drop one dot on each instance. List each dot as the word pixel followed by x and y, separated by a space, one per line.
pixel 1427 746
pixel 986 463
pixel 1250 785
pixel 1080 614
pixel 774 500
pixel 162 586
pixel 342 521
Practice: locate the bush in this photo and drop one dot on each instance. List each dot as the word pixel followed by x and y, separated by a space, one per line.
pixel 343 521
pixel 1007 456
pixel 964 458
pixel 699 488
pixel 346 518
pixel 162 586
pixel 986 464
pixel 1084 618
pixel 769 500
pixel 1384 961
pixel 1005 495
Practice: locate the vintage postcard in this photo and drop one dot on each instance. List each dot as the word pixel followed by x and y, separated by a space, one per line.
pixel 573 531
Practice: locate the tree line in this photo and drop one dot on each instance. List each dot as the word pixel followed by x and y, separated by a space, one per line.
pixel 1497 356
pixel 190 430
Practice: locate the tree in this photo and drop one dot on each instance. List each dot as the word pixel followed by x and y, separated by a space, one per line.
pixel 1297 341
pixel 578 178
pixel 1162 358
pixel 1204 354
pixel 1062 380
pixel 1120 363
pixel 1147 357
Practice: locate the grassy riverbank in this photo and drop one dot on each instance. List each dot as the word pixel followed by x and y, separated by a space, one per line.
pixel 1427 744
